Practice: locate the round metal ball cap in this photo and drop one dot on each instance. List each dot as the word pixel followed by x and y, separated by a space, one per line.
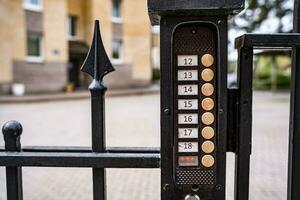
pixel 12 129
pixel 192 197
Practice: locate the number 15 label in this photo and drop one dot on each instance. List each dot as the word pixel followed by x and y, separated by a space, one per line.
pixel 187 60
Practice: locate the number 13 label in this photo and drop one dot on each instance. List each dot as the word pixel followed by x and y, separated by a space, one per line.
pixel 187 75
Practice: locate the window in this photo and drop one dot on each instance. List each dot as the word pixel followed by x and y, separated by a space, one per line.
pixel 116 11
pixel 35 5
pixel 34 47
pixel 72 27
pixel 117 51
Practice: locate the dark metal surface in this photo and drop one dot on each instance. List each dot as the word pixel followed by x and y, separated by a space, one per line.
pixel 80 149
pixel 232 120
pixel 294 141
pixel 268 40
pixel 12 131
pixel 97 64
pixel 244 132
pixel 168 187
pixel 159 8
pixel 245 45
pixel 96 160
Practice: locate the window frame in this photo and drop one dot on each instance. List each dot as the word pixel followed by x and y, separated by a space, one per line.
pixel 120 52
pixel 117 19
pixel 69 28
pixel 33 7
pixel 39 58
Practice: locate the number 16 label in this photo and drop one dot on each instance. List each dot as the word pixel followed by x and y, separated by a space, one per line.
pixel 188 119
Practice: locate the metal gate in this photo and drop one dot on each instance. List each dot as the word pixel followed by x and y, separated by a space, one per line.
pixel 188 31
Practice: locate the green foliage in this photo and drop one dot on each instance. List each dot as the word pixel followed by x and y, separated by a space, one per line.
pixel 155 74
pixel 263 75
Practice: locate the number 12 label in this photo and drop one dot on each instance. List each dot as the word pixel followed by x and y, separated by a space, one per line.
pixel 187 60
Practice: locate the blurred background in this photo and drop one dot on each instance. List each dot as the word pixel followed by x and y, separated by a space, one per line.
pixel 42 46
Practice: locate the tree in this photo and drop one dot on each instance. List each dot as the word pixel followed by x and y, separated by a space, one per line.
pixel 258 12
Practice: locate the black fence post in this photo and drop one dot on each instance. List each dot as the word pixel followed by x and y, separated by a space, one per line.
pixel 97 64
pixel 294 129
pixel 12 131
pixel 97 90
pixel 242 161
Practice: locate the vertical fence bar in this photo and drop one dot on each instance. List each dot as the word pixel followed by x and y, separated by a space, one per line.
pixel 97 90
pixel 12 131
pixel 294 129
pixel 242 162
pixel 97 64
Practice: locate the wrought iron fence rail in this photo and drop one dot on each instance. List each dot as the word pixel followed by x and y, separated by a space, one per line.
pixel 82 149
pixel 83 159
pixel 268 40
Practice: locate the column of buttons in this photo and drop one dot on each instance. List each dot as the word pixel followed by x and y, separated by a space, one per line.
pixel 207 105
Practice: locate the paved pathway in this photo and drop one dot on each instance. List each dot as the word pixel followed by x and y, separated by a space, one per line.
pixel 134 121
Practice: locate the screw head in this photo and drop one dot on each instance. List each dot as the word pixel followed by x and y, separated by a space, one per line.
pixel 166 187
pixel 219 187
pixel 167 111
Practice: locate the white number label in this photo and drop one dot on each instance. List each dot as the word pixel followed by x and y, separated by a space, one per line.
pixel 188 119
pixel 187 75
pixel 187 60
pixel 187 89
pixel 187 104
pixel 188 147
pixel 188 133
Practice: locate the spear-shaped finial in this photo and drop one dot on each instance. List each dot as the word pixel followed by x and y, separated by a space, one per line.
pixel 97 63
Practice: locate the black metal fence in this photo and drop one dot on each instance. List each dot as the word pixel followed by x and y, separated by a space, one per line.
pixel 14 157
pixel 99 157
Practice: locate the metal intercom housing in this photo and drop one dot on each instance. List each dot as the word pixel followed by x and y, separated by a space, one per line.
pixel 193 39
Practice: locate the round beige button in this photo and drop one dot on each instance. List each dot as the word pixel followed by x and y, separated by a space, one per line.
pixel 207 74
pixel 208 132
pixel 207 60
pixel 208 161
pixel 207 118
pixel 207 89
pixel 208 147
pixel 207 104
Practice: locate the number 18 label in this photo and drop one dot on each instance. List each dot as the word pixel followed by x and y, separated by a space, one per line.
pixel 188 147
